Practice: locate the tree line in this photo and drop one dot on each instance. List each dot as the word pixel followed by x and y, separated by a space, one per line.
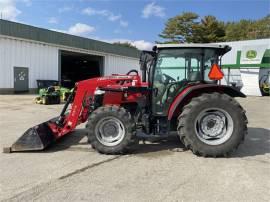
pixel 191 28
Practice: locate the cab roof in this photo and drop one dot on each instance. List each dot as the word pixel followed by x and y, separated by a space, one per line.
pixel 222 48
pixel 191 45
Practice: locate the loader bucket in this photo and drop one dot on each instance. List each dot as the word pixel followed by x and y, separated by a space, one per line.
pixel 34 139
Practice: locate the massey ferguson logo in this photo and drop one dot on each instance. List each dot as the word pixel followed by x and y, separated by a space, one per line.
pixel 251 54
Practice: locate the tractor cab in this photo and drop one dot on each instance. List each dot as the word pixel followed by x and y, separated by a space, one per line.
pixel 173 67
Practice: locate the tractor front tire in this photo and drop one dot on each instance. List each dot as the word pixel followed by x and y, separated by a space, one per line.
pixel 111 130
pixel 212 125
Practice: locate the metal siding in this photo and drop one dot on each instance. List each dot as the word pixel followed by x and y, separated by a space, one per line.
pixel 42 61
pixel 120 65
pixel 3 70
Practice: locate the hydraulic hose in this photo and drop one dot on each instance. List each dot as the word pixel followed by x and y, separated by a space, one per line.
pixel 61 118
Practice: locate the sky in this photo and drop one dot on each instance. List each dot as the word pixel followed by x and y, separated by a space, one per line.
pixel 136 21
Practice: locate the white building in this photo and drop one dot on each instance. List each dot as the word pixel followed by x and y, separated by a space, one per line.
pixel 29 53
pixel 247 64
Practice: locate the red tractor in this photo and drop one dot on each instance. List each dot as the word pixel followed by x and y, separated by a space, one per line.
pixel 179 91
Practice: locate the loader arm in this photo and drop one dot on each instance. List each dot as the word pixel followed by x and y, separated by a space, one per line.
pixel 42 135
pixel 82 100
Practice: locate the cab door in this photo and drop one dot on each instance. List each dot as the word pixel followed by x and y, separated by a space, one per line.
pixel 169 76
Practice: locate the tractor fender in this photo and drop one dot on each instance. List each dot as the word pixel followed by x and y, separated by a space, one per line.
pixel 195 90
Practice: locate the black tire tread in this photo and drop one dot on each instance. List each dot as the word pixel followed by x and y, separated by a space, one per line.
pixel 188 141
pixel 128 142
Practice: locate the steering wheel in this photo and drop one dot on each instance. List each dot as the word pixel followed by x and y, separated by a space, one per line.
pixel 133 70
pixel 168 78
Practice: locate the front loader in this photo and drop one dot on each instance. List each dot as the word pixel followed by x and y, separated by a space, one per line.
pixel 179 91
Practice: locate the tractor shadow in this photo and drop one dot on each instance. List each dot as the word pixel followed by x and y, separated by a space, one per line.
pixel 159 146
pixel 75 141
pixel 257 142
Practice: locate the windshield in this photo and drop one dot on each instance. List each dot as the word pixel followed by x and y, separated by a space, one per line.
pixel 182 64
pixel 175 68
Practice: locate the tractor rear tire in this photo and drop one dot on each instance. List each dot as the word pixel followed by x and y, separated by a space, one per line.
pixel 111 130
pixel 212 125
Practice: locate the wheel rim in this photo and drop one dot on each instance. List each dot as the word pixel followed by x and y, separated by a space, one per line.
pixel 110 131
pixel 214 126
